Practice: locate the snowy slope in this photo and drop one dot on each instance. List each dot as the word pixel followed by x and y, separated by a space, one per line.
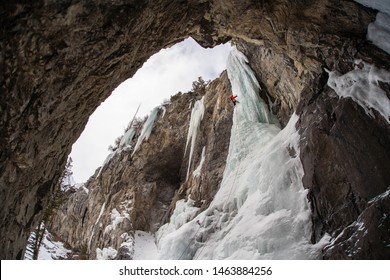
pixel 49 250
pixel 261 210
pixel 145 246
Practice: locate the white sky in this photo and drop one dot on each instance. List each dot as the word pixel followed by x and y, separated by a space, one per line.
pixel 164 74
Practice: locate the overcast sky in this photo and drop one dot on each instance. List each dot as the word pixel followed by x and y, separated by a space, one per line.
pixel 164 74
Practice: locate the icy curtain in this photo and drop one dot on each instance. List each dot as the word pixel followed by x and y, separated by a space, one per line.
pixel 196 117
pixel 261 210
pixel 245 85
pixel 146 129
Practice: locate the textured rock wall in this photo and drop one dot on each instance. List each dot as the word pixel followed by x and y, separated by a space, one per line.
pixel 143 189
pixel 61 59
pixel 345 153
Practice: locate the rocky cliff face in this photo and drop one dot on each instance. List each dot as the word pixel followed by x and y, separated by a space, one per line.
pixel 138 191
pixel 343 150
pixel 58 63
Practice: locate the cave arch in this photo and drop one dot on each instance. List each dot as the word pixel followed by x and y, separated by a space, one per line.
pixel 166 73
pixel 61 59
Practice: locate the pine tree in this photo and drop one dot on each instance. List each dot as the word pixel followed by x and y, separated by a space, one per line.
pixel 56 200
pixel 200 85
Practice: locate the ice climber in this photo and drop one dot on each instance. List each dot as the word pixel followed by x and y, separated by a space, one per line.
pixel 233 99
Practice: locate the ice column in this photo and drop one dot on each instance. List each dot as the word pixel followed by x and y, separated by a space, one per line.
pixel 127 138
pixel 196 117
pixel 247 88
pixel 146 129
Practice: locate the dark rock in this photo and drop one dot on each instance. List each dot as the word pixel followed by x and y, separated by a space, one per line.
pixel 344 153
pixel 366 238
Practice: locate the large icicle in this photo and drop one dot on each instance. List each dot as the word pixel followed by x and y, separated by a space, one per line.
pixel 127 138
pixel 146 129
pixel 261 210
pixel 197 171
pixel 196 117
pixel 96 223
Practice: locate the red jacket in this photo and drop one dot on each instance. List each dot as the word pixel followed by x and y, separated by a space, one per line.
pixel 233 97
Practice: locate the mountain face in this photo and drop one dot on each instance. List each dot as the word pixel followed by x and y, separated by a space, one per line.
pixel 137 189
pixel 58 63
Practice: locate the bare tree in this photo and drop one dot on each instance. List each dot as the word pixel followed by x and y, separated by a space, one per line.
pixel 200 85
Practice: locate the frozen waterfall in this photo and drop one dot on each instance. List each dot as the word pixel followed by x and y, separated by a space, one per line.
pixel 147 128
pixel 196 117
pixel 261 210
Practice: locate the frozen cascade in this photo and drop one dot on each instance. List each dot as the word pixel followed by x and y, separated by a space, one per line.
pixel 261 210
pixel 196 117
pixel 362 85
pixel 147 128
pixel 245 85
pixel 127 138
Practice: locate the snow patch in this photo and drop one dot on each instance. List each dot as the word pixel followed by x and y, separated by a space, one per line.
pixel 52 250
pixel 85 189
pixel 358 225
pixel 106 253
pixel 164 110
pixel 197 171
pixel 49 250
pixel 145 246
pixel 380 197
pixel 116 219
